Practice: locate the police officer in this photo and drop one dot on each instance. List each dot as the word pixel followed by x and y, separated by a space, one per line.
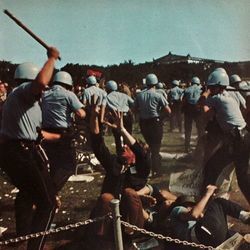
pixel 93 89
pixel 58 105
pixel 191 96
pixel 175 96
pixel 160 89
pixel 235 146
pixel 149 103
pixel 22 158
pixel 117 101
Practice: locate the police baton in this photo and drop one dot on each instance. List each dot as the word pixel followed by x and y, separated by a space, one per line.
pixel 19 23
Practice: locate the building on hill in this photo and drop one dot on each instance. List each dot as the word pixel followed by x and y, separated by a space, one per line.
pixel 172 58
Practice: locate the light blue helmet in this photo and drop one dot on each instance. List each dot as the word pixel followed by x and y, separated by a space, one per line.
pixel 91 80
pixel 234 79
pixel 218 77
pixel 159 85
pixel 63 77
pixel 27 71
pixel 111 85
pixel 221 69
pixel 175 83
pixel 196 80
pixel 151 80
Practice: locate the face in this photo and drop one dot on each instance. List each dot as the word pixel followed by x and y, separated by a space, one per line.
pixel 2 88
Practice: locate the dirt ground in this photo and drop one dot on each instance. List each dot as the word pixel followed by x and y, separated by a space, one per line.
pixel 78 198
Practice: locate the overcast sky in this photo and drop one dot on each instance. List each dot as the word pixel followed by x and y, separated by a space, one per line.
pixel 105 32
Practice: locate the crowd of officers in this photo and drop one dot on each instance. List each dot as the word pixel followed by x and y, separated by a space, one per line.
pixel 37 155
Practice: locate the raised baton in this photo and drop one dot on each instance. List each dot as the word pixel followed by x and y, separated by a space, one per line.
pixel 19 23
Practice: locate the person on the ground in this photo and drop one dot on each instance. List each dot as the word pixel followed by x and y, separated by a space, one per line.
pixel 58 105
pixel 205 221
pixel 125 174
pixel 149 104
pixel 22 157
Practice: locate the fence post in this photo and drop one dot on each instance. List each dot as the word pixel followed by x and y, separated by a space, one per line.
pixel 117 224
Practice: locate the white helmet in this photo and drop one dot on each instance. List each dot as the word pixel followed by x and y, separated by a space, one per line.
pixel 221 70
pixel 234 79
pixel 26 71
pixel 160 85
pixel 151 80
pixel 175 83
pixel 91 80
pixel 218 77
pixel 195 80
pixel 63 77
pixel 111 85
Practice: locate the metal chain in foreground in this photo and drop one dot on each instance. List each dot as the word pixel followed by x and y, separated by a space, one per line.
pixel 52 231
pixel 166 238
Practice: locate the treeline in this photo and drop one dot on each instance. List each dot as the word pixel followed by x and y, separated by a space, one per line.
pixel 133 74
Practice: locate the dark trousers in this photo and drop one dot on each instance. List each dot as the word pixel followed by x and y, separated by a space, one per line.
pixel 215 221
pixel 152 131
pixel 62 158
pixel 175 117
pixel 27 172
pixel 128 125
pixel 190 115
pixel 233 150
pixel 131 211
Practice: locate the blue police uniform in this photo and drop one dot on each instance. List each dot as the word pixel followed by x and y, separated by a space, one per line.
pixel 191 113
pixel 24 164
pixel 121 102
pixel 58 104
pixel 94 90
pixel 162 92
pixel 149 104
pixel 175 96
pixel 236 142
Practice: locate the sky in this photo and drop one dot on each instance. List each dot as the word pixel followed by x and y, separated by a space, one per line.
pixel 107 32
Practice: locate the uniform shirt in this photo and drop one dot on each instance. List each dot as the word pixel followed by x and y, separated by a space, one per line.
pixel 162 92
pixel 21 114
pixel 57 107
pixel 238 97
pixel 119 101
pixel 175 94
pixel 149 103
pixel 192 94
pixel 227 111
pixel 94 90
pixel 180 228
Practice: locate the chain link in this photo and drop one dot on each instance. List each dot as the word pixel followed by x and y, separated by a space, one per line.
pixel 52 231
pixel 166 238
pixel 89 221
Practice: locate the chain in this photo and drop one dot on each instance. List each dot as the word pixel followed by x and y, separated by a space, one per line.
pixel 53 231
pixel 169 239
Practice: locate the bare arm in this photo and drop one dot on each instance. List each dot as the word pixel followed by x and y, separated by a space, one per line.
pixel 81 113
pixel 129 139
pixel 95 112
pixel 198 209
pixel 44 76
pixel 167 109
